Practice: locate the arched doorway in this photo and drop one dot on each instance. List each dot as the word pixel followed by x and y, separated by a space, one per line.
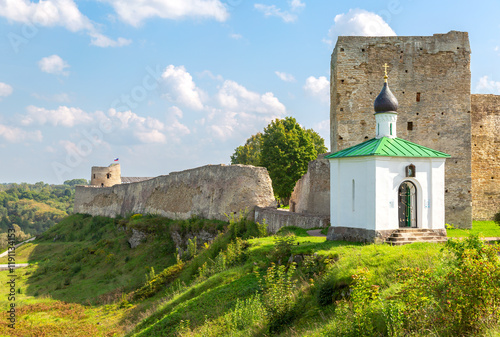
pixel 407 204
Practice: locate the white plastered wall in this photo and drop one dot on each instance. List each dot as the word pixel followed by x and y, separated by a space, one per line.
pixel 377 181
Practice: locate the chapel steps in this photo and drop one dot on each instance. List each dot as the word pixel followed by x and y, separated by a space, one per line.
pixel 405 236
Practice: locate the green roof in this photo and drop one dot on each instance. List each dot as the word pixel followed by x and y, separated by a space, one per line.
pixel 389 147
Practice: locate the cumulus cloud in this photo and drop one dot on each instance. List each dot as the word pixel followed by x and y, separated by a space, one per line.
pixel 100 40
pixel 63 116
pixel 287 16
pixel 234 96
pixel 53 64
pixel 359 22
pixel 285 77
pixel 487 86
pixel 134 12
pixel 319 87
pixel 181 88
pixel 52 13
pixel 5 90
pixel 16 135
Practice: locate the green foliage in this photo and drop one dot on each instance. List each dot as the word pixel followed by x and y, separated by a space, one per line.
pixel 287 150
pixel 234 254
pixel 250 153
pixel 278 286
pixel 75 182
pixel 282 248
pixel 155 283
pixel 496 218
pixel 34 207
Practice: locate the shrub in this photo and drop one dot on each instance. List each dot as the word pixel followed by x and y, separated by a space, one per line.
pixel 278 288
pixel 157 282
pixel 282 248
pixel 496 218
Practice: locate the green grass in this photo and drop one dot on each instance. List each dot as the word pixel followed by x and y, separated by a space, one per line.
pixel 84 265
pixel 484 228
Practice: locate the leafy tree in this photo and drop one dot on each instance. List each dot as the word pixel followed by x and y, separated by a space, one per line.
pixel 74 182
pixel 318 141
pixel 286 151
pixel 249 154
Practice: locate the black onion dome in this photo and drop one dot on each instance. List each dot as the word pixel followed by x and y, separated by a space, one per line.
pixel 385 101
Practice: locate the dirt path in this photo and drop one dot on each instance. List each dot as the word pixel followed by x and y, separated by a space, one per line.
pixel 7 251
pixel 316 232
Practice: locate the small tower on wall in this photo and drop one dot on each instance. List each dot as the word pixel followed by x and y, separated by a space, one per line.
pixel 386 184
pixel 106 176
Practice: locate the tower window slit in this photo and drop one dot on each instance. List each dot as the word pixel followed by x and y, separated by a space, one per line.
pixel 418 97
pixel 410 126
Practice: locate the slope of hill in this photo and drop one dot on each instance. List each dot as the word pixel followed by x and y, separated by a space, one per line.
pixel 211 278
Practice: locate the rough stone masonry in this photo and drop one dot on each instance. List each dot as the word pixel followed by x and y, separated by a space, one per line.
pixel 210 192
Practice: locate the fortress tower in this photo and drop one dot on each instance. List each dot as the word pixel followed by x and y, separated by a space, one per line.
pixel 106 176
pixel 430 75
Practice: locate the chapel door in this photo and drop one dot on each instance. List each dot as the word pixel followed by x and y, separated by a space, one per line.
pixel 407 204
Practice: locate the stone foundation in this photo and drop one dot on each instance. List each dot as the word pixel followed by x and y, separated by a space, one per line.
pixel 366 235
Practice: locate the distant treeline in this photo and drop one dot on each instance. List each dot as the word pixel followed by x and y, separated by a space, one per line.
pixel 36 207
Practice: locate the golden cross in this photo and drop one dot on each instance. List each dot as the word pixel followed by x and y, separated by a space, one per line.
pixel 385 70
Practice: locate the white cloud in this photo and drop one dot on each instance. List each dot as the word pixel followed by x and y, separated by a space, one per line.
pixel 100 40
pixel 53 13
pixel 359 22
pixel 151 136
pixel 487 86
pixel 285 77
pixel 53 64
pixel 62 97
pixel 319 87
pixel 5 90
pixel 296 5
pixel 234 96
pixel 16 135
pixel 286 16
pixel 173 126
pixel 235 36
pixel 181 88
pixel 64 116
pixel 134 12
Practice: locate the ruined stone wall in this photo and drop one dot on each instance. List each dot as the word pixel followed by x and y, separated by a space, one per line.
pixel 485 156
pixel 276 219
pixel 430 77
pixel 209 192
pixel 312 192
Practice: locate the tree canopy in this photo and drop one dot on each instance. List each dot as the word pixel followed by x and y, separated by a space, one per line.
pixel 285 149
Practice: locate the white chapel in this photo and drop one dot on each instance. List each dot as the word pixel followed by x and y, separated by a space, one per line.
pixel 386 184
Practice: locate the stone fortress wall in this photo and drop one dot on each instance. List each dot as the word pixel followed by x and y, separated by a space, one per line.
pixel 485 156
pixel 210 192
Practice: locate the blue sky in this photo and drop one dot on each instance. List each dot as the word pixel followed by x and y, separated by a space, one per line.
pixel 167 85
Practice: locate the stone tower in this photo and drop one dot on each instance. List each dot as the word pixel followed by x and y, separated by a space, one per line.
pixel 430 75
pixel 106 176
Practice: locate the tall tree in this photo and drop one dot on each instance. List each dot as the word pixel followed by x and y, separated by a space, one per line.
pixel 249 154
pixel 285 149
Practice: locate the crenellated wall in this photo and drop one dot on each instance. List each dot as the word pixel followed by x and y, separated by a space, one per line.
pixel 209 192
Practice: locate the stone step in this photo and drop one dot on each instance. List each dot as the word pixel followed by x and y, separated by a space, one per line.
pixel 415 238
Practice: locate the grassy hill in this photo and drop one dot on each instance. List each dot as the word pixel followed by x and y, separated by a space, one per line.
pixel 211 278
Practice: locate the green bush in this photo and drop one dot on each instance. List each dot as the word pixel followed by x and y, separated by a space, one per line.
pixel 282 248
pixel 158 282
pixel 278 287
